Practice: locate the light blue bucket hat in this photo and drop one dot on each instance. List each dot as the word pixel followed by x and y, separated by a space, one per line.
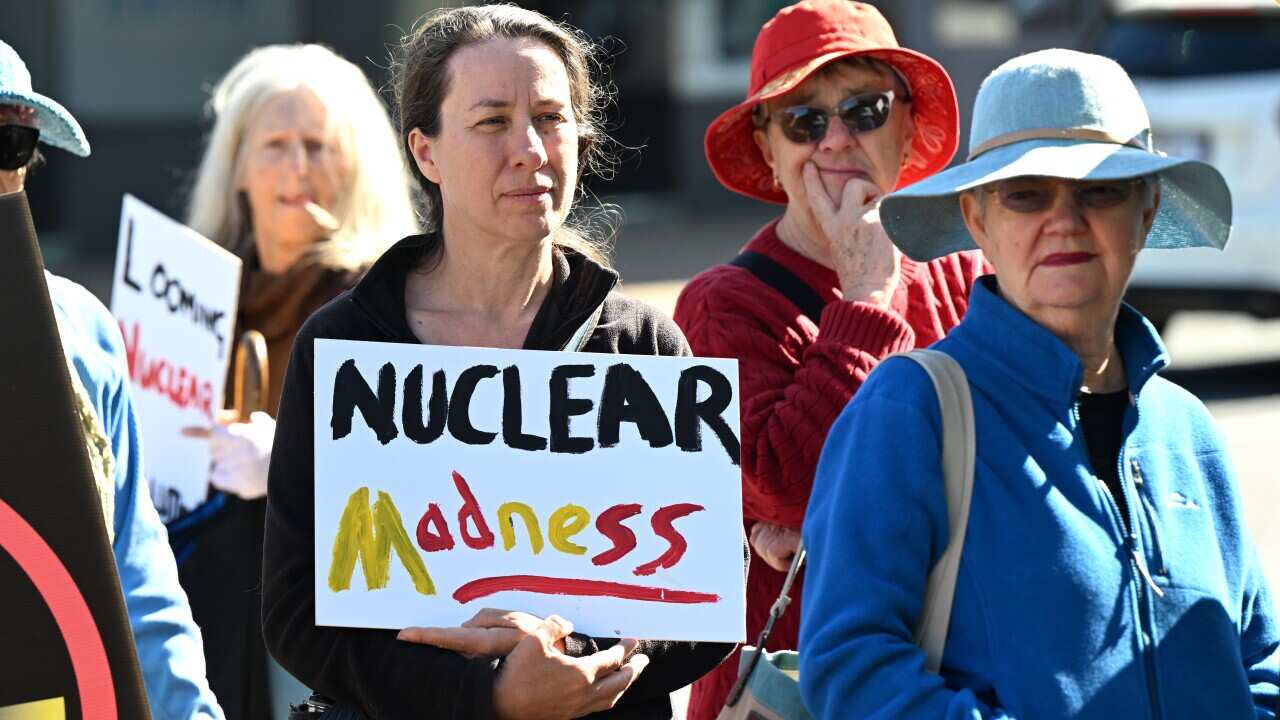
pixel 1062 114
pixel 57 127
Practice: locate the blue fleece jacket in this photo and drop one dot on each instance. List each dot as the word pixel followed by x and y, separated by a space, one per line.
pixel 1059 613
pixel 169 648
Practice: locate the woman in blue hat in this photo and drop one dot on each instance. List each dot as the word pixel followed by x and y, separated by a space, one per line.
pixel 1106 571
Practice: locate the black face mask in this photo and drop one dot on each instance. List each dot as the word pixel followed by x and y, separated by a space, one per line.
pixel 17 143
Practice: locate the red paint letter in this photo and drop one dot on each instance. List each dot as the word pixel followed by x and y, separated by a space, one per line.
pixel 483 537
pixel 663 528
pixel 181 386
pixel 433 533
pixel 609 523
pixel 131 348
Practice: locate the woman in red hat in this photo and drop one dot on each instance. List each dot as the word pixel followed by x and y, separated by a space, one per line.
pixel 837 115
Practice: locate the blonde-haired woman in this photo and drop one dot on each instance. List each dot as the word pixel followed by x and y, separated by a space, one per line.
pixel 302 178
pixel 303 82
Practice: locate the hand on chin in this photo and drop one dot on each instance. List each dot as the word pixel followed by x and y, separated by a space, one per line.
pixel 835 184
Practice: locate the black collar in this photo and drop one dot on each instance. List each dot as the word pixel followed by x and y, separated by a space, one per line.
pixel 579 286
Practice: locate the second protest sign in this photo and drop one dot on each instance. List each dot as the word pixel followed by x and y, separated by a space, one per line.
pixel 602 488
pixel 174 295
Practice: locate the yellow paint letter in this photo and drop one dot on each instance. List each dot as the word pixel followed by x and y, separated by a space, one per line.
pixel 370 536
pixel 568 520
pixel 508 529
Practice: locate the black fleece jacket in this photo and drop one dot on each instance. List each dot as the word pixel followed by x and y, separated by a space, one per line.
pixel 387 678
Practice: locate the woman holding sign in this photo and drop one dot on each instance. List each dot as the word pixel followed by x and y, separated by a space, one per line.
pixel 500 117
pixel 837 116
pixel 283 186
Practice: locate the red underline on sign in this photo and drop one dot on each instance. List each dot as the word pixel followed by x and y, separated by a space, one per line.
pixel 570 586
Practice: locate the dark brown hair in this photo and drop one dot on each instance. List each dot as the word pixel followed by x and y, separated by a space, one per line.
pixel 420 78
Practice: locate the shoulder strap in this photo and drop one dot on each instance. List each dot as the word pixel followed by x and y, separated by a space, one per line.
pixel 775 612
pixel 958 457
pixel 773 274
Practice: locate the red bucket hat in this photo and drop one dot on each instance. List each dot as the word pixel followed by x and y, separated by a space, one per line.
pixel 802 38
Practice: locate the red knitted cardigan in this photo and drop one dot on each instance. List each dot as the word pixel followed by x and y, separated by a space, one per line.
pixel 795 378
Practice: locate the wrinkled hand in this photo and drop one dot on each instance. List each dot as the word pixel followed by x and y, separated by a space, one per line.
pixel 538 682
pixel 776 545
pixel 865 260
pixel 489 633
pixel 240 453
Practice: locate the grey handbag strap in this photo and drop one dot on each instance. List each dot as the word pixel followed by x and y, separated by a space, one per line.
pixel 775 612
pixel 958 456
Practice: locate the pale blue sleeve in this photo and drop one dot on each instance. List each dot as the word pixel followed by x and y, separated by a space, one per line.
pixel 170 651
pixel 878 488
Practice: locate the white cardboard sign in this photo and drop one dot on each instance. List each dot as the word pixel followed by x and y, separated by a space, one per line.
pixel 174 294
pixel 602 488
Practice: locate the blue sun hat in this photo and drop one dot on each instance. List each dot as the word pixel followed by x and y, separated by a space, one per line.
pixel 1061 114
pixel 57 127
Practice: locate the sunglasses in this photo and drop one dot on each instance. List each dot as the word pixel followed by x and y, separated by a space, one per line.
pixel 17 143
pixel 1033 195
pixel 861 113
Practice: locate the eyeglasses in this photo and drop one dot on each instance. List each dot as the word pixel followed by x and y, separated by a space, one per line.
pixel 861 113
pixel 1032 194
pixel 17 143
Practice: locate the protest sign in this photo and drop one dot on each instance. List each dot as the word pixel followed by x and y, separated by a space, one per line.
pixel 174 294
pixel 68 649
pixel 602 488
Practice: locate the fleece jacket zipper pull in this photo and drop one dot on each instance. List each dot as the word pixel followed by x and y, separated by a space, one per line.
pixel 1142 567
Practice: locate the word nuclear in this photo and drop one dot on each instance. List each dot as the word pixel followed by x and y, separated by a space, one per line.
pixel 183 388
pixel 626 397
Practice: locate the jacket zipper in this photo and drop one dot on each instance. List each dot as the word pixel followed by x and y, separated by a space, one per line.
pixel 1138 574
pixel 1134 546
pixel 1157 547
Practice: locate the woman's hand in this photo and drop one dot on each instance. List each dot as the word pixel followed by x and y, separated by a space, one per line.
pixel 538 681
pixel 865 261
pixel 776 545
pixel 489 633
pixel 240 452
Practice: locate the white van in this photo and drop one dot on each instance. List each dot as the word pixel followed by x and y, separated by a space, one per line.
pixel 1210 76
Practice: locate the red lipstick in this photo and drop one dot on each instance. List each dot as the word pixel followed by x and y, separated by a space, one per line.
pixel 1067 258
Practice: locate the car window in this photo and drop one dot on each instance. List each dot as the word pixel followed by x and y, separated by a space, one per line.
pixel 1179 46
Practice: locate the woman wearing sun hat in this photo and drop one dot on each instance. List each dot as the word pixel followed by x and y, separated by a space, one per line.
pixel 1106 571
pixel 836 116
